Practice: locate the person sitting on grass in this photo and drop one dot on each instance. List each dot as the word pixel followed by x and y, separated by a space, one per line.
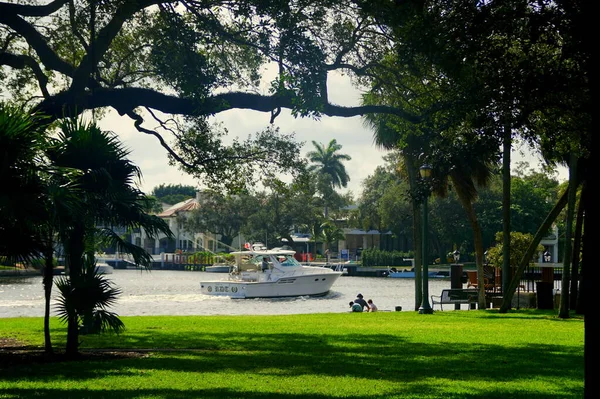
pixel 372 306
pixel 360 300
pixel 355 307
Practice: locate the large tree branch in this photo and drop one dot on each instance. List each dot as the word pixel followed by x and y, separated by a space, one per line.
pixel 126 99
pixel 36 41
pixel 138 125
pixel 20 62
pixel 197 163
pixel 99 45
pixel 31 11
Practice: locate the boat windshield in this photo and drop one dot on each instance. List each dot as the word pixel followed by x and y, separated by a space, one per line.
pixel 255 260
pixel 288 260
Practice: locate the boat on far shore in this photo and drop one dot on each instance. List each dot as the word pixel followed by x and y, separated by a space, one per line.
pixel 406 273
pixel 220 265
pixel 104 268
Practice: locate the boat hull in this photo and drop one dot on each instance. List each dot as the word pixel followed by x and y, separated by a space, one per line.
pixel 104 268
pixel 412 275
pixel 309 284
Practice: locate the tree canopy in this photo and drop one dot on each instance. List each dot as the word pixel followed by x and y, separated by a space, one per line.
pixel 156 60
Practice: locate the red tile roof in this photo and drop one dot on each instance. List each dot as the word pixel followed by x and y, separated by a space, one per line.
pixel 184 206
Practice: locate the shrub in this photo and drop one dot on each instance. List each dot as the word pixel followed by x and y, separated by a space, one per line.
pixel 377 257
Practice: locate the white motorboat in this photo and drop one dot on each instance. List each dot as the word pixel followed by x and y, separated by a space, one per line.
pixel 271 274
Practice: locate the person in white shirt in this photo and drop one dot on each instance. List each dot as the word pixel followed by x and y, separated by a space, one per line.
pixel 372 306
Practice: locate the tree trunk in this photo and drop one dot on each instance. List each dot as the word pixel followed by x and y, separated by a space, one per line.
pixel 507 144
pixel 75 251
pixel 510 291
pixel 478 242
pixel 563 312
pixel 47 282
pixel 412 171
pixel 72 348
pixel 574 291
pixel 587 211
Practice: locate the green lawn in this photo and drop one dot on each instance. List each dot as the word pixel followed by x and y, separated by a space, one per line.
pixel 384 355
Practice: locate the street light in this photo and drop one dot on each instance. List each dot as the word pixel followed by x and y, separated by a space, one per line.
pixel 456 255
pixel 547 256
pixel 425 308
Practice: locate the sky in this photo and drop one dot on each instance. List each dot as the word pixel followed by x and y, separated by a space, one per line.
pixel 356 139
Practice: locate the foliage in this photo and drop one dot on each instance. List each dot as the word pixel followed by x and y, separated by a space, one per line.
pixel 204 257
pixel 221 214
pixel 22 200
pixel 86 300
pixel 331 234
pixel 377 257
pixel 39 263
pixel 104 180
pixel 384 202
pixel 165 190
pixel 532 197
pixel 237 167
pixel 279 210
pixel 384 205
pixel 153 205
pixel 173 193
pixel 449 226
pixel 329 162
pixel 519 242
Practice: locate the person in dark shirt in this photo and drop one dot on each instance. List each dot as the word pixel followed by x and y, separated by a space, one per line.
pixel 360 300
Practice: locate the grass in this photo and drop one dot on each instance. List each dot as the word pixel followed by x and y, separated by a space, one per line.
pixel 384 355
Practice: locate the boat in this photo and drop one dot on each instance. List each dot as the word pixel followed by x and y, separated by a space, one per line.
pixel 218 269
pixel 104 268
pixel 271 273
pixel 393 273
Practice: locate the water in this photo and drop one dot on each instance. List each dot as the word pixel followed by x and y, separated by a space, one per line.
pixel 164 292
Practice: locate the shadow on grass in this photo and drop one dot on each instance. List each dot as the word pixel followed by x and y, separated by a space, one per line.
pixel 189 394
pixel 369 356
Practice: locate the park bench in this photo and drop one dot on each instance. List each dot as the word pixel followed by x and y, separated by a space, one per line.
pixel 455 296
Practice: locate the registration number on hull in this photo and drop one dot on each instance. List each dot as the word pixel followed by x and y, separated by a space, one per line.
pixel 221 289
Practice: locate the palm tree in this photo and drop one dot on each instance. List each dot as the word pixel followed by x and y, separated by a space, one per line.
pixel 327 161
pixel 468 169
pixel 108 197
pixel 88 301
pixel 331 233
pixel 387 136
pixel 22 201
pixel 25 231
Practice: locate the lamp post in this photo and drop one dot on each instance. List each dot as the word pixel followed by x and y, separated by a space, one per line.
pixel 456 255
pixel 547 257
pixel 425 308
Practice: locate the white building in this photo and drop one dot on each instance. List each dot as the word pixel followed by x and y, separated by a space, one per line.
pixel 183 240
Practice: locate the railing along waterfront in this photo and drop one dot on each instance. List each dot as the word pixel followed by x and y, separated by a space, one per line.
pixel 542 272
